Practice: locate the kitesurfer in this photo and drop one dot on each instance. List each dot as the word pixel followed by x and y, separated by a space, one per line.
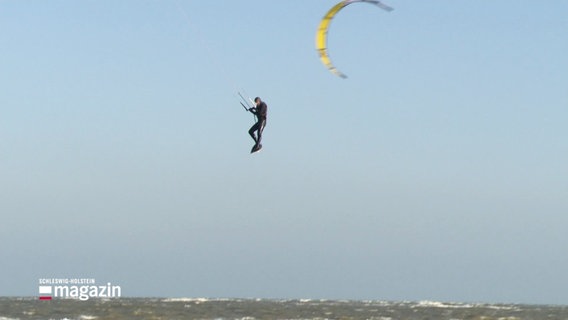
pixel 260 111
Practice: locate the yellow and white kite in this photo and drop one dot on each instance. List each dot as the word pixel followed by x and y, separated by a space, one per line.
pixel 321 35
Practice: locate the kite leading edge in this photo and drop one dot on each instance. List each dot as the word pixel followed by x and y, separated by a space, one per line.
pixel 321 34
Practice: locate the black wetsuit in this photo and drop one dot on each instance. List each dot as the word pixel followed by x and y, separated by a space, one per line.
pixel 260 112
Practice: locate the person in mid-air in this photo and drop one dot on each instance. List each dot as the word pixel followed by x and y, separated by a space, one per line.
pixel 260 112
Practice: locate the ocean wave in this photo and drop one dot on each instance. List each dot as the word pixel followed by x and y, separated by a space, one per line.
pixel 269 309
pixel 199 300
pixel 447 305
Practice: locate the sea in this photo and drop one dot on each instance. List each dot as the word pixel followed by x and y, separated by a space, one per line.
pixel 12 308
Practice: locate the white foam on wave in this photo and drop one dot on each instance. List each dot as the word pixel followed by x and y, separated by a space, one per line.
pixel 186 300
pixel 445 305
pixel 199 300
pixel 437 304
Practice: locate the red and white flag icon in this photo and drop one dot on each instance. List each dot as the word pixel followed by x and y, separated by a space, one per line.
pixel 44 292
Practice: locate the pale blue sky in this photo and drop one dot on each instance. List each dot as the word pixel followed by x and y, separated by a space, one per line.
pixel 437 170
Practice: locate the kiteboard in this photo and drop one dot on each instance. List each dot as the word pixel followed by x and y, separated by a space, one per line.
pixel 256 148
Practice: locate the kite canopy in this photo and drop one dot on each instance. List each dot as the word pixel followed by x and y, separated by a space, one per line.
pixel 321 34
